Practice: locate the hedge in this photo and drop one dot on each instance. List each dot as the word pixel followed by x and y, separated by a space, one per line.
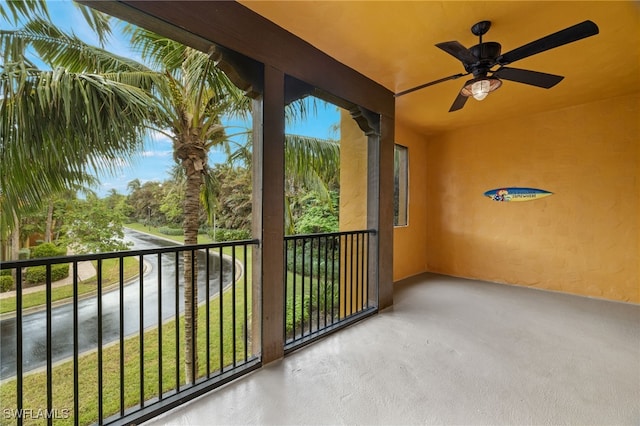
pixel 38 274
pixel 170 231
pixel 232 234
pixel 47 250
pixel 6 283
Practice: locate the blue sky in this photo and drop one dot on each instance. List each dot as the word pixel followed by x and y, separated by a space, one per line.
pixel 154 163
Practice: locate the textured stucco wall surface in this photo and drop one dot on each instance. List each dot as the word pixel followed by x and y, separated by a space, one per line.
pixel 353 175
pixel 584 239
pixel 409 242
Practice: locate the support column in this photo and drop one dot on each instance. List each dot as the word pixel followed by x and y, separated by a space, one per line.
pixel 382 184
pixel 268 160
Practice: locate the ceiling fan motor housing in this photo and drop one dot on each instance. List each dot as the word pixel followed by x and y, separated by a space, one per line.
pixel 487 53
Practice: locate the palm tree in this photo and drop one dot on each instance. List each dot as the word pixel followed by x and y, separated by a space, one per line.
pixel 192 97
pixel 70 119
pixel 114 100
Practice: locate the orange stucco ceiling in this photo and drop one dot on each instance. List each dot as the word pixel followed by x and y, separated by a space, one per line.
pixel 392 42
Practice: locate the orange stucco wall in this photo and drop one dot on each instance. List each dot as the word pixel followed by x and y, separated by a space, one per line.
pixel 353 175
pixel 409 242
pixel 584 239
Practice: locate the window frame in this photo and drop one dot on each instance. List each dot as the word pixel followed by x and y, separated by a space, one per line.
pixel 400 186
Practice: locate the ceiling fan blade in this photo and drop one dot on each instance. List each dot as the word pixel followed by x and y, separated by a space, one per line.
pixel 459 102
pixel 459 51
pixel 534 78
pixel 431 83
pixel 568 35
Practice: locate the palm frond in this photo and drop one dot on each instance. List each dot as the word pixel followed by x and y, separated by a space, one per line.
pixel 99 22
pixel 57 48
pixel 207 195
pixel 68 122
pixel 14 10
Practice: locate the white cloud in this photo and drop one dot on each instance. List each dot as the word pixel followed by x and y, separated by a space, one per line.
pixel 157 153
pixel 158 137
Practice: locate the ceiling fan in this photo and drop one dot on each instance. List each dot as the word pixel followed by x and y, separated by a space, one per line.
pixel 479 59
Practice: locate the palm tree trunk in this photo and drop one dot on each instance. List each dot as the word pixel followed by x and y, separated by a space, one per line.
pixel 193 166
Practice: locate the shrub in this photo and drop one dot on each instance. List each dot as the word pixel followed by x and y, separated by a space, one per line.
pixel 321 256
pixel 170 231
pixel 5 273
pixel 301 315
pixel 48 250
pixel 38 274
pixel 23 254
pixel 6 282
pixel 232 234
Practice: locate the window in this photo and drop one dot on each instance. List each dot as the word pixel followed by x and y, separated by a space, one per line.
pixel 401 186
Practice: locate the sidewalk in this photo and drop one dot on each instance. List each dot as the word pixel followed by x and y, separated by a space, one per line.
pixel 86 270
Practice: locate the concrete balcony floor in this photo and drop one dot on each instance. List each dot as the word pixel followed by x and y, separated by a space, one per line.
pixel 450 351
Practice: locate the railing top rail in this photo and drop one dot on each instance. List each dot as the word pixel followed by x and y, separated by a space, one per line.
pixel 120 254
pixel 329 234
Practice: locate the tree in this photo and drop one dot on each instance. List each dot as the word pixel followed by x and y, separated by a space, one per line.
pixel 92 227
pixel 80 112
pixel 145 202
pixel 233 194
pixel 192 97
pixel 182 94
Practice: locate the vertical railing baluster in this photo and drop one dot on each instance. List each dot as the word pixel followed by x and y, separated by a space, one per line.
pixel 303 295
pixel 76 376
pixel 159 326
pixel 177 314
pixel 194 305
pixel 76 391
pixel 286 289
pixel 19 378
pixel 294 288
pixel 49 348
pixel 141 327
pixel 233 301
pixel 121 331
pixel 333 277
pixel 326 272
pixel 357 268
pixel 221 324
pixel 99 302
pixel 318 305
pixel 310 285
pixel 207 314
pixel 351 267
pixel 341 240
pixel 366 269
pixel 246 305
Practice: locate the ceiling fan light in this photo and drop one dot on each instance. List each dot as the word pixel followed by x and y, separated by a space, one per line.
pixel 479 88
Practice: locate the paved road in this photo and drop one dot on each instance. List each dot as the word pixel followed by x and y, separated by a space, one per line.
pixel 34 325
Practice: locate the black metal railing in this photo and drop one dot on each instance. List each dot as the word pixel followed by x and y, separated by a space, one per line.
pixel 327 284
pixel 111 350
